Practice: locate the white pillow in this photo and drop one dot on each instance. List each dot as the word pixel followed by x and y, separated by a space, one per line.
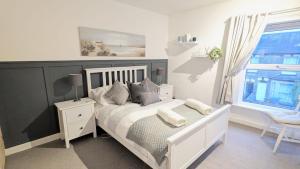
pixel 98 95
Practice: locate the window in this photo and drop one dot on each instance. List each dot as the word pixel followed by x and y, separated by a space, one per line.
pixel 272 77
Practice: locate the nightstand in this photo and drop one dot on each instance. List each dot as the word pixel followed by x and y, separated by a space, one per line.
pixel 165 92
pixel 76 119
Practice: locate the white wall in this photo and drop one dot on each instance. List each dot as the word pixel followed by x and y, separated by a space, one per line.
pixel 48 29
pixel 199 77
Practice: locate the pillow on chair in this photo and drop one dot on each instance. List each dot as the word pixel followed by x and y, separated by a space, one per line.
pixel 285 118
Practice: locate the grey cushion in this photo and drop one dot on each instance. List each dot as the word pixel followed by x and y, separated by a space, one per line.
pixel 146 86
pixel 118 93
pixel 136 90
pixel 150 85
pixel 149 98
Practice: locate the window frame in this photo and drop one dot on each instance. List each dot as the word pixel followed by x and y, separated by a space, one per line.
pixel 239 81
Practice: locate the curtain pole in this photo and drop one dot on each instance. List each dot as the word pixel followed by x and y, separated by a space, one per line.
pixel 285 11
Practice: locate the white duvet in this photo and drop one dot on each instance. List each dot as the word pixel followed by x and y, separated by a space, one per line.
pixel 118 119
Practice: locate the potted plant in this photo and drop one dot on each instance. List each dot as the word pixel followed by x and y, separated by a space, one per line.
pixel 215 54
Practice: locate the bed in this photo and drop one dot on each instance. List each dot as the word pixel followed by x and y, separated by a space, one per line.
pixel 183 147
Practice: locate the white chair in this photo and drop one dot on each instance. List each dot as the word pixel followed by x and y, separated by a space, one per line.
pixel 285 120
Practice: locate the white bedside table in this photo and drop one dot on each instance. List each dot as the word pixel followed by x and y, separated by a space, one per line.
pixel 165 92
pixel 76 119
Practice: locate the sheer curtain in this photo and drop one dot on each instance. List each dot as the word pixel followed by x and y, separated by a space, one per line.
pixel 243 36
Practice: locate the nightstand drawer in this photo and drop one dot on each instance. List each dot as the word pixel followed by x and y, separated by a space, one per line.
pixel 81 128
pixel 79 113
pixel 164 92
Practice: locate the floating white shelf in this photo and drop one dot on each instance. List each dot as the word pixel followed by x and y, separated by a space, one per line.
pixel 199 56
pixel 188 43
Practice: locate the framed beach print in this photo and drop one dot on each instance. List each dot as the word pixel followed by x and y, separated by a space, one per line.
pixel 101 43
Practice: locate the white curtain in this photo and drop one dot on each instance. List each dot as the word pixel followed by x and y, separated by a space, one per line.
pixel 243 36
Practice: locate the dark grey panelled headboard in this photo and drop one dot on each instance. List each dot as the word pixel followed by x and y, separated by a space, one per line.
pixel 29 90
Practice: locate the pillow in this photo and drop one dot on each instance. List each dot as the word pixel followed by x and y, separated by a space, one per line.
pixel 118 93
pixel 136 90
pixel 150 85
pixel 98 95
pixel 149 98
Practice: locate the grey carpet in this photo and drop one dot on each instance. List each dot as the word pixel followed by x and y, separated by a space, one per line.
pixel 48 156
pixel 244 150
pixel 106 153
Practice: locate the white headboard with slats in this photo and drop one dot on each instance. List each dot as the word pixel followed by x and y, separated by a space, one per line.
pixel 122 74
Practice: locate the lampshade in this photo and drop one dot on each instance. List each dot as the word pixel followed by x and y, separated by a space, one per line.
pixel 159 71
pixel 75 79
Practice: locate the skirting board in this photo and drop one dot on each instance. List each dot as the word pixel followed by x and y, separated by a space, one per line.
pixel 253 124
pixel 246 122
pixel 29 145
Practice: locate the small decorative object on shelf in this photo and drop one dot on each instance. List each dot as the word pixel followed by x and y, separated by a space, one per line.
pixel 187 39
pixel 76 81
pixel 215 54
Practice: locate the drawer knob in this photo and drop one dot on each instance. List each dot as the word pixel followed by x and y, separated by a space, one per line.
pixel 81 128
pixel 79 115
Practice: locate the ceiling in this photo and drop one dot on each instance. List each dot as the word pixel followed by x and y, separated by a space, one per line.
pixel 168 6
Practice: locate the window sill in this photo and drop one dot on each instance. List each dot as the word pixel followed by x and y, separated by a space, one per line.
pixel 261 108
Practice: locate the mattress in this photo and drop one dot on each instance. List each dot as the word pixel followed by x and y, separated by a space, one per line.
pixel 118 119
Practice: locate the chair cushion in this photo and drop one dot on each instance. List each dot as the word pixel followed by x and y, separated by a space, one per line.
pixel 286 118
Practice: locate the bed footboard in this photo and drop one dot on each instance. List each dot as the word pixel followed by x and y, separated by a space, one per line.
pixel 190 143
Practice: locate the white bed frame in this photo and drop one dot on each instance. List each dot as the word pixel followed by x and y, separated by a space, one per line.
pixel 185 146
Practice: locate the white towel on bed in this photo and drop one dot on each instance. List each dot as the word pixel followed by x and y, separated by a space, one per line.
pixel 199 106
pixel 171 117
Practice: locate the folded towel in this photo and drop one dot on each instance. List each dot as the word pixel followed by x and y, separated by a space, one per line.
pixel 199 106
pixel 171 117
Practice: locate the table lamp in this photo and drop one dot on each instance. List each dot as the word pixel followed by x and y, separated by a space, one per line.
pixel 76 81
pixel 159 74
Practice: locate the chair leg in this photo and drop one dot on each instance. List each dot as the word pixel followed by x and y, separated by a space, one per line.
pixel 279 138
pixel 224 138
pixel 266 128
